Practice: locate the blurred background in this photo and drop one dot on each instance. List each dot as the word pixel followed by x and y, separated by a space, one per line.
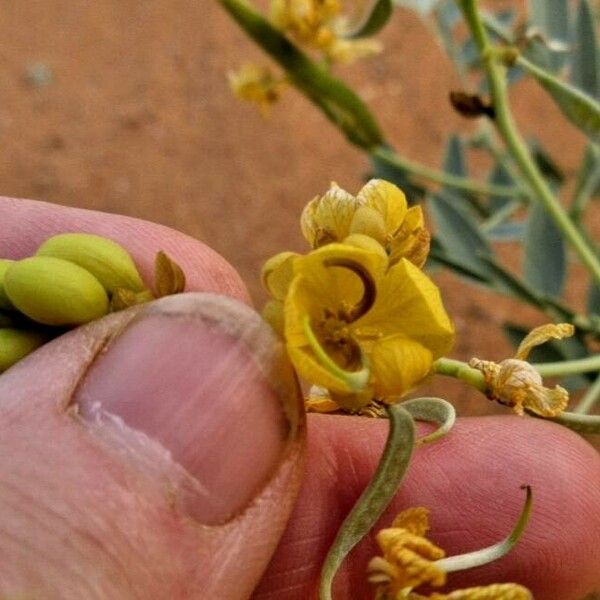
pixel 124 106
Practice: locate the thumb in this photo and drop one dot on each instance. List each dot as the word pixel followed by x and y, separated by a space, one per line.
pixel 153 454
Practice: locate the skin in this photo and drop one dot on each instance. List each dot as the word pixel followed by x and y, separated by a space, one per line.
pixel 98 510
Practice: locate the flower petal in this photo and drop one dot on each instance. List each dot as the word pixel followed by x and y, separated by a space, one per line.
pixel 496 591
pixel 408 302
pixel 415 520
pixel 277 274
pixel 412 240
pixel 388 200
pixel 397 365
pixel 542 334
pixel 327 218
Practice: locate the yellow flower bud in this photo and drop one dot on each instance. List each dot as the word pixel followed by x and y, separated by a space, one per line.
pixel 5 303
pixel 106 260
pixel 368 221
pixel 15 344
pixel 53 291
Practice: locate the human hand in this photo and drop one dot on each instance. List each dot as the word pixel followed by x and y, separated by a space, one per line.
pixel 93 507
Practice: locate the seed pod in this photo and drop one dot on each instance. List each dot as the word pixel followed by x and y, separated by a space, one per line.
pixel 108 262
pixel 5 303
pixel 53 291
pixel 16 344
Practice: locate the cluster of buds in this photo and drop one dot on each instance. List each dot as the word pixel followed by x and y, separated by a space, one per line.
pixel 72 279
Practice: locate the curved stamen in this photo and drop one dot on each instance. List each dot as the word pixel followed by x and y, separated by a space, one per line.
pixel 369 288
pixel 355 380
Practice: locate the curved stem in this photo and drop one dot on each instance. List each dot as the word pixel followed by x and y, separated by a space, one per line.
pixel 390 158
pixel 496 76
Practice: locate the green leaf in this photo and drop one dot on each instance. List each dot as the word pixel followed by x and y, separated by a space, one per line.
pixel 545 257
pixel 587 184
pixel 513 231
pixel 552 18
pixel 579 108
pixel 422 7
pixel 458 234
pixel 454 162
pixel 593 299
pixel 376 497
pixel 373 21
pixel 585 67
pixel 499 176
pixel 546 164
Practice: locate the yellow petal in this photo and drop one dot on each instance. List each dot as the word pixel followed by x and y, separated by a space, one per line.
pixel 327 218
pixel 412 240
pixel 542 334
pixel 415 520
pixel 277 274
pixel 369 222
pixel 359 240
pixel 397 365
pixel 543 401
pixel 319 400
pixel 409 303
pixel 272 313
pixel 347 51
pixel 497 591
pixel 388 200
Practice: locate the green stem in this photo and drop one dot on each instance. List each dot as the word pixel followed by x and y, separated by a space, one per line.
pixel 501 215
pixel 587 402
pixel 339 103
pixel 496 77
pixel 460 370
pixel 569 367
pixel 390 158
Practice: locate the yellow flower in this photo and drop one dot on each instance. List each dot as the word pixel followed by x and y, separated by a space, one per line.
pixel 318 24
pixel 516 383
pixel 256 84
pixel 409 561
pixel 379 211
pixel 361 329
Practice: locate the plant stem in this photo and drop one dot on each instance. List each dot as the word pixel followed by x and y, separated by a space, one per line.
pixel 454 181
pixel 460 370
pixel 496 77
pixel 501 215
pixel 590 398
pixel 569 367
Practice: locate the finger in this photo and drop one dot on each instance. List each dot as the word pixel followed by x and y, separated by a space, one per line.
pixel 152 454
pixel 27 223
pixel 470 481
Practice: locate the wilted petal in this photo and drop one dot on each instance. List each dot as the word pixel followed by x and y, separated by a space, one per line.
pixel 415 520
pixel 542 334
pixel 327 218
pixel 497 591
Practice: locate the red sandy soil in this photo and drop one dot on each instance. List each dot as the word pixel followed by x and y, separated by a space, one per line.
pixel 137 119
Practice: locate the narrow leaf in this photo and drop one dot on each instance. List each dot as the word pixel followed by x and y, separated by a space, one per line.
pixel 376 497
pixel 372 21
pixel 514 231
pixel 585 68
pixel 458 234
pixel 545 162
pixel 454 162
pixel 588 181
pixel 431 410
pixel 551 17
pixel 579 108
pixel 545 256
pixel 499 176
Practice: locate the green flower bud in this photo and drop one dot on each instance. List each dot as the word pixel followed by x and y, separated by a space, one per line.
pixel 54 291
pixel 5 303
pixel 16 344
pixel 108 262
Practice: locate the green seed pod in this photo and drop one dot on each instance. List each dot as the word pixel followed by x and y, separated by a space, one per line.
pixel 53 291
pixel 16 344
pixel 108 262
pixel 5 303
